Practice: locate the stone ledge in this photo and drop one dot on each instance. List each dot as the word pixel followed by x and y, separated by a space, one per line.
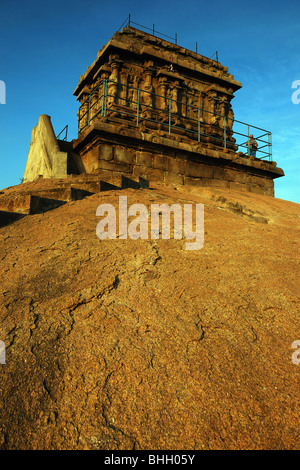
pixel 146 142
pixel 28 204
pixel 137 42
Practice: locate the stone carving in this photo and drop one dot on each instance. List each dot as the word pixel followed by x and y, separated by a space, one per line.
pixel 147 97
pixel 156 84
pixel 113 81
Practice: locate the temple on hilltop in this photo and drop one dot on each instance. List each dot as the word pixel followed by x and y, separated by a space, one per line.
pixel 149 108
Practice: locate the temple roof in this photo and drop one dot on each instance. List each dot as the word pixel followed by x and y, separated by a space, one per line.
pixel 136 43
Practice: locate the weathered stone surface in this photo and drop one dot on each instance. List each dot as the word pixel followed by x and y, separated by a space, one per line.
pixel 217 173
pixel 19 203
pixel 153 174
pixel 238 186
pixel 44 157
pixel 234 175
pixel 106 152
pixel 28 204
pixel 217 183
pixel 124 155
pixel 90 159
pixel 161 162
pixel 178 165
pixel 141 344
pixel 144 159
pixel 198 170
pixel 62 194
pixel 173 178
pixel 114 166
pixel 189 181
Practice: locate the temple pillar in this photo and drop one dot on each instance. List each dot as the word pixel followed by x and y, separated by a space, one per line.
pixel 162 92
pixel 113 80
pixel 147 96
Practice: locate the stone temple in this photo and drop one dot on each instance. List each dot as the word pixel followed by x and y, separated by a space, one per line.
pixel 152 110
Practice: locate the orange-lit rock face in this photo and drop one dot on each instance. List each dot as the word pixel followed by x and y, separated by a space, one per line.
pixel 141 344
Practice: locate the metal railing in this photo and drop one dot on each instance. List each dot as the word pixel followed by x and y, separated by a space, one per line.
pixel 154 32
pixel 139 106
pixel 66 133
pixel 129 22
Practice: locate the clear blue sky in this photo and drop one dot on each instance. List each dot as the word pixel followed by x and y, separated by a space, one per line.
pixel 46 46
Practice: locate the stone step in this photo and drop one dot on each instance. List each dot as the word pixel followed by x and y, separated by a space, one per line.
pixel 35 201
pixel 106 186
pixel 118 181
pixel 133 182
pixel 93 185
pixel 28 204
pixel 62 193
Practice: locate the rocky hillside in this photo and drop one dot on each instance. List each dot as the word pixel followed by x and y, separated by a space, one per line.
pixel 142 344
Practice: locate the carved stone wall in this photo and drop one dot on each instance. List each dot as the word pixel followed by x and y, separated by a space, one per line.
pixel 147 100
pixel 112 151
pixel 167 78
